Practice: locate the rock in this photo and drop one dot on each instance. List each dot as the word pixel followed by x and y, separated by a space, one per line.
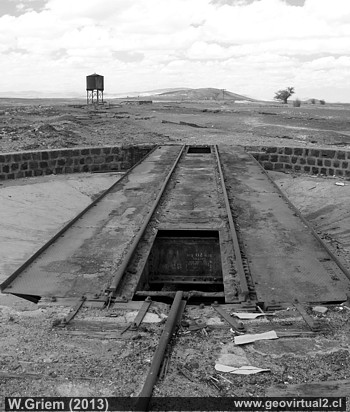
pixel 320 309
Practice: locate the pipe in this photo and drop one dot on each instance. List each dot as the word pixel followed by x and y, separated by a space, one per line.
pixel 173 317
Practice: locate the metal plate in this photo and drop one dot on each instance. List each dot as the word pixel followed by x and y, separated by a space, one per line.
pixel 285 259
pixel 186 259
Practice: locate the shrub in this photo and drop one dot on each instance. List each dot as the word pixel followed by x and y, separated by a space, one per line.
pixel 322 102
pixel 297 103
pixel 313 101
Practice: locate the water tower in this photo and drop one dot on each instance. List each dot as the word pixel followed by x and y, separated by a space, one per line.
pixel 94 89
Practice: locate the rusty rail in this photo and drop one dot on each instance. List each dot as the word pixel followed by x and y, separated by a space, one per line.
pixel 240 267
pixel 173 318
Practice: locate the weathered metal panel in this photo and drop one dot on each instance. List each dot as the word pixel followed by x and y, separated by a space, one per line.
pixel 183 259
pixel 94 82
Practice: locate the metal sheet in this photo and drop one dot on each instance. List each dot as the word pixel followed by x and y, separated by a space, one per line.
pixel 285 259
pixel 185 259
pixel 83 259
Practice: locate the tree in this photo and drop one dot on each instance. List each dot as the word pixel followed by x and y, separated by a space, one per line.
pixel 284 94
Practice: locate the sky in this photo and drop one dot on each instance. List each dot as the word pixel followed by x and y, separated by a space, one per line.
pixel 250 47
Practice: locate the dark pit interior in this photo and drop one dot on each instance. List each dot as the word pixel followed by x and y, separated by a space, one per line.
pixel 199 149
pixel 188 260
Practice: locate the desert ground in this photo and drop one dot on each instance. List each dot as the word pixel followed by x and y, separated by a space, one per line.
pixel 38 360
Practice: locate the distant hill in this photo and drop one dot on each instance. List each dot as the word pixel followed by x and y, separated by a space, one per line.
pixel 201 94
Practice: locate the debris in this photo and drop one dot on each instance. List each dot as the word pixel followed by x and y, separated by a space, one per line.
pixel 237 325
pixel 197 325
pixel 185 372
pixel 340 184
pixel 192 125
pixel 225 379
pixel 320 309
pixel 243 339
pixel 313 324
pixel 243 370
pixel 250 315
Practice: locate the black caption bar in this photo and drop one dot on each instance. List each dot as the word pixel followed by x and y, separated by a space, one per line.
pixel 109 404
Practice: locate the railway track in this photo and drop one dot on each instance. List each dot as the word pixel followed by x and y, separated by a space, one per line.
pixel 188 225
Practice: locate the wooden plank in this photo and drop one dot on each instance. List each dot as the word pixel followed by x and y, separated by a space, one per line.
pixel 331 388
pixel 102 335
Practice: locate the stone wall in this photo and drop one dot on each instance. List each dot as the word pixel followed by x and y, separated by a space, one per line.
pixel 312 161
pixel 88 159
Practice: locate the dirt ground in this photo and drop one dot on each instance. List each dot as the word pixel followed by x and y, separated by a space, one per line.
pixel 43 124
pixel 39 359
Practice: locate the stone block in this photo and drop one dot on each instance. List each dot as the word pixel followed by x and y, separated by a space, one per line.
pixel 54 154
pixel 99 160
pixel 298 151
pixel 284 158
pixel 33 165
pixel 341 155
pixel 288 150
pixel 27 156
pixel 328 153
pixel 268 166
pixel 279 166
pixel 311 161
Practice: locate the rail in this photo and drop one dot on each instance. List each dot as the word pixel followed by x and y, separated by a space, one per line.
pixel 240 268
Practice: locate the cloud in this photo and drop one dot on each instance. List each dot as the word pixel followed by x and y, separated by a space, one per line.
pixel 240 45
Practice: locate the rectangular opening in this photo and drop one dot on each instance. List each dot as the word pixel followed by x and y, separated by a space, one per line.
pixel 199 149
pixel 184 260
